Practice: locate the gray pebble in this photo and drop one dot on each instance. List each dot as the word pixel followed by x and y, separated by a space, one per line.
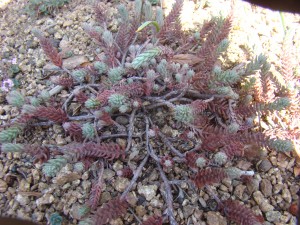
pixel 265 165
pixel 273 216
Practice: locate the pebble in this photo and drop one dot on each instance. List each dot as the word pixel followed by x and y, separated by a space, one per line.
pixel 273 216
pixel 149 191
pixel 156 203
pixel 188 211
pixel 277 188
pixel 23 200
pixel 123 120
pixel 3 186
pixel 239 191
pixel 253 186
pixel 140 211
pixel 60 141
pixel 121 184
pixel 24 185
pixel 265 165
pixel 286 195
pixel 65 177
pixel 262 202
pixel 214 218
pixel 67 23
pixel 202 202
pixel 266 187
pixel 38 216
pixel 45 199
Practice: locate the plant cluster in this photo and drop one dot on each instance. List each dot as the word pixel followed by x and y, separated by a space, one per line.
pixel 40 7
pixel 146 67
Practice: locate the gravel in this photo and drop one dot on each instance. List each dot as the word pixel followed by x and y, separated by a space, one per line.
pixel 26 193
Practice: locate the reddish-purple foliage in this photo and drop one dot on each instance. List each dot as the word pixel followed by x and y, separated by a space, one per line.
pixel 153 220
pixel 50 51
pixel 63 81
pixel 81 97
pixel 108 151
pixel 74 130
pixel 96 189
pixel 208 176
pixel 234 148
pixel 110 210
pixel 238 213
pixel 41 154
pixel 169 28
pixel 51 113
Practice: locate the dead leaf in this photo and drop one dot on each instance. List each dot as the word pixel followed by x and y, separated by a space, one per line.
pixel 74 61
pixel 186 58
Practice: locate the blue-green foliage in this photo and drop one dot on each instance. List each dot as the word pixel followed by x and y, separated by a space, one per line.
pixel 116 100
pixel 88 130
pixel 279 104
pixel 92 103
pixel 53 166
pixel 183 113
pixel 101 67
pixel 37 7
pixel 282 145
pixel 10 147
pixel 15 98
pixel 115 74
pixel 9 134
pixel 56 219
pixel 79 75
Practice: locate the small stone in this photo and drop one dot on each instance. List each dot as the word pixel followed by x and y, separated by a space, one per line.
pixel 188 211
pixel 123 120
pixel 262 202
pixel 78 211
pixel 223 188
pixel 24 185
pixel 253 186
pixel 140 210
pixel 286 195
pixel 156 203
pixel 239 191
pixel 202 202
pixel 214 218
pixel 118 165
pixel 66 177
pixel 227 182
pixel 277 188
pixel 266 187
pixel 45 199
pixel 67 23
pixel 38 216
pixel 108 174
pixel 149 191
pixel 121 184
pixel 3 186
pixel 258 197
pixel 244 165
pixel 35 175
pixel 60 140
pixel 273 216
pixel 23 200
pixel 265 165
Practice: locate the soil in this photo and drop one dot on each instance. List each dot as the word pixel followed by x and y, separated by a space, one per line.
pixel 27 194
